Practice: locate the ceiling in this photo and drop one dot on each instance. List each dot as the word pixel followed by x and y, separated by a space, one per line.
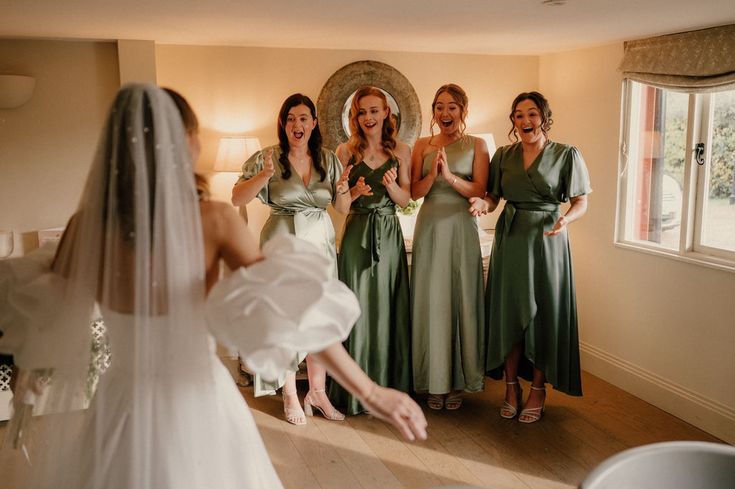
pixel 439 26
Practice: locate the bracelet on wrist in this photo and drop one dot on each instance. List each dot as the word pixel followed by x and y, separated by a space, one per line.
pixel 346 191
pixel 454 180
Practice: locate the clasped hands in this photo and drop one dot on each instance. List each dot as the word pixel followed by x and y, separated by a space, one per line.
pixel 440 166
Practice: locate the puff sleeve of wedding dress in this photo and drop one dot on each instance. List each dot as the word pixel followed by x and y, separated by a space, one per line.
pixel 30 296
pixel 287 303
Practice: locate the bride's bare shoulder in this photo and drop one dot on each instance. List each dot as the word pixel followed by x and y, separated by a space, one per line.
pixel 218 216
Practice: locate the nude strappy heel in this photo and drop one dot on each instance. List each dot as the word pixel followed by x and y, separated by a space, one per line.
pixel 509 411
pixel 293 415
pixel 309 404
pixel 531 415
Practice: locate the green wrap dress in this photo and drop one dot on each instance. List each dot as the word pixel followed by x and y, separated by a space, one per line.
pixel 372 262
pixel 296 209
pixel 447 301
pixel 530 291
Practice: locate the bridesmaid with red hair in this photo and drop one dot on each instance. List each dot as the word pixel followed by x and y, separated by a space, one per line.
pixel 372 259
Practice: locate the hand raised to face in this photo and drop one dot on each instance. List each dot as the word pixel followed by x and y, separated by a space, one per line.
pixel 269 168
pixel 343 184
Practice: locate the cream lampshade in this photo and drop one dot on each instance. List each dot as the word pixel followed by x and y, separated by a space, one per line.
pixel 489 140
pixel 233 152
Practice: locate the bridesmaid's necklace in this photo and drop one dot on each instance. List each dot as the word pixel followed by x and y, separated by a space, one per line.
pixel 372 156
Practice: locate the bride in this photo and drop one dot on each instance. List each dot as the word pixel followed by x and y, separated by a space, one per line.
pixel 166 413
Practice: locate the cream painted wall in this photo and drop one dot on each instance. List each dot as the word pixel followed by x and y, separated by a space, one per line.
pixel 136 61
pixel 239 90
pixel 46 146
pixel 659 328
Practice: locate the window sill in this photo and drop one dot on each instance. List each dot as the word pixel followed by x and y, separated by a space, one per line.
pixel 691 256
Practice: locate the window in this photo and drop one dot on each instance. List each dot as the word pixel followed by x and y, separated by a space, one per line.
pixel 677 174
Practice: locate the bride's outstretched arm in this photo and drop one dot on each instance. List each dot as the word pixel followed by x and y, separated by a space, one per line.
pixel 387 404
pixel 238 247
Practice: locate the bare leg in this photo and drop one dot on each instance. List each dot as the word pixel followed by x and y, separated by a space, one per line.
pixel 511 374
pixel 291 405
pixel 537 396
pixel 317 395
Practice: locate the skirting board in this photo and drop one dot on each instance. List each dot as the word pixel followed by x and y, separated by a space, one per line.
pixel 704 413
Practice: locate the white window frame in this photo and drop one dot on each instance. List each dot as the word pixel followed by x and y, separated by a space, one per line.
pixel 694 199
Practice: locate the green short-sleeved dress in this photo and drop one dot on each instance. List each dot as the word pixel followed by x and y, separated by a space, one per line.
pixel 447 301
pixel 530 291
pixel 296 209
pixel 372 262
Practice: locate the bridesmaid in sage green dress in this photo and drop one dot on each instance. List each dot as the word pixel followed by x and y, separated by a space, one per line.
pixel 446 268
pixel 298 179
pixel 372 258
pixel 531 305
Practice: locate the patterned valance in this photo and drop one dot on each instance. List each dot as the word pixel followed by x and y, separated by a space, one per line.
pixel 696 61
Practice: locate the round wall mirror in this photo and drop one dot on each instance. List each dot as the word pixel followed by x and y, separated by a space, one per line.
pixel 335 99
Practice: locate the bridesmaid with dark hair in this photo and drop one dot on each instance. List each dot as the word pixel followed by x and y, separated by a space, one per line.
pixel 298 179
pixel 532 309
pixel 372 259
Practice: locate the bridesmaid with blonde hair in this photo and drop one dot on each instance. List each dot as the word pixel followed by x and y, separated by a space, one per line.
pixel 372 260
pixel 447 303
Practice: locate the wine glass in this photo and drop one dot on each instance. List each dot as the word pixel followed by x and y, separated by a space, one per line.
pixel 6 243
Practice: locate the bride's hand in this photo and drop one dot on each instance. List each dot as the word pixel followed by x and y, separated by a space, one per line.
pixel 398 409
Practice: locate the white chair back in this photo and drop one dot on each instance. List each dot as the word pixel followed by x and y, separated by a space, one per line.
pixel 669 465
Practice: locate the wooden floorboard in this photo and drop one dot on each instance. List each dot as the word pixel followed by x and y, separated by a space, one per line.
pixel 472 446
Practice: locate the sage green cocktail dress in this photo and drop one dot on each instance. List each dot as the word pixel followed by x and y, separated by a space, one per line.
pixel 296 209
pixel 372 262
pixel 530 291
pixel 447 301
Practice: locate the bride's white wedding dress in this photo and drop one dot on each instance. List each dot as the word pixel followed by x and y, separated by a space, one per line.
pixel 199 432
pixel 203 433
pixel 166 414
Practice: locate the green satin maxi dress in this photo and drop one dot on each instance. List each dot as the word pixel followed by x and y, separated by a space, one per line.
pixel 530 291
pixel 447 301
pixel 372 262
pixel 296 209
